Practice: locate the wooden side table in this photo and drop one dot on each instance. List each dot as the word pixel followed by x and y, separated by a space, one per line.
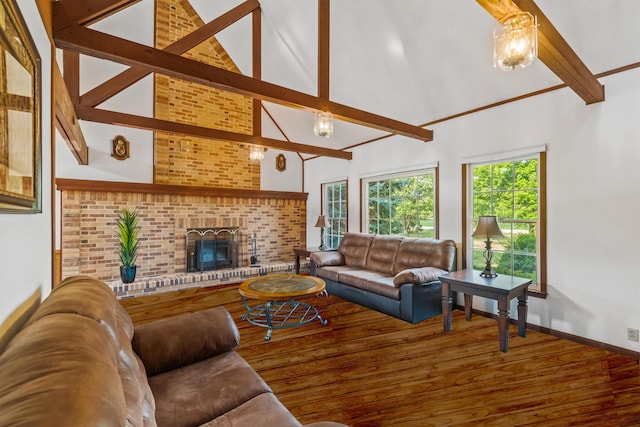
pixel 305 252
pixel 502 288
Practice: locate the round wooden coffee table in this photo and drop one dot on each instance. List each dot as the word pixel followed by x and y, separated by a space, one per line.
pixel 281 308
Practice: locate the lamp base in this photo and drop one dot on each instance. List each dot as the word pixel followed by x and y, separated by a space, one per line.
pixel 489 274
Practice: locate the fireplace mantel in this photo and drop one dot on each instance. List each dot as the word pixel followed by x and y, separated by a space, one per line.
pixel 65 184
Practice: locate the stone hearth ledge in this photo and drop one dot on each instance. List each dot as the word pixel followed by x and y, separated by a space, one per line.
pixel 173 282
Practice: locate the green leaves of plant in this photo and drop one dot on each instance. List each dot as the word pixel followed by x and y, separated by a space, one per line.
pixel 128 234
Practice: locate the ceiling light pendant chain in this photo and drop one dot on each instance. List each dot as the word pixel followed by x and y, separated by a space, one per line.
pixel 515 42
pixel 323 124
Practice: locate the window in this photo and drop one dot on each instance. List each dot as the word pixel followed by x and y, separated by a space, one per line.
pixel 513 191
pixel 335 208
pixel 401 204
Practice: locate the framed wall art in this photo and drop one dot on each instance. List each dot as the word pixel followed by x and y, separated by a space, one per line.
pixel 20 133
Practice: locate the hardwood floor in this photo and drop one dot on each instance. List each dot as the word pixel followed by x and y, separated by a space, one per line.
pixel 368 369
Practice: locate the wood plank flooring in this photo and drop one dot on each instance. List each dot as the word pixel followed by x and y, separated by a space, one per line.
pixel 368 369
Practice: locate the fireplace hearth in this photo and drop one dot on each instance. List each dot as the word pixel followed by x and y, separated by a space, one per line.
pixel 211 248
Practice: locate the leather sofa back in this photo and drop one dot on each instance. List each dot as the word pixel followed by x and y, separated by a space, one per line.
pixel 72 364
pixel 382 254
pixel 354 247
pixel 415 253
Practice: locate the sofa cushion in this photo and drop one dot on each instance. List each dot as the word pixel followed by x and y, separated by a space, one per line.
pixel 355 248
pixel 371 281
pixel 322 259
pixel 263 410
pixel 171 343
pixel 415 253
pixel 332 272
pixel 198 393
pixel 382 253
pixel 418 275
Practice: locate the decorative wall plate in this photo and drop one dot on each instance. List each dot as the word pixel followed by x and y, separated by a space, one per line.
pixel 281 162
pixel 119 148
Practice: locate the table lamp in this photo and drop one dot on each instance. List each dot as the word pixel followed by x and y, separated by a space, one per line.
pixel 487 228
pixel 322 223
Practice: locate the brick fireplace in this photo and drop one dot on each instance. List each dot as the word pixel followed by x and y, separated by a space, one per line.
pixel 89 211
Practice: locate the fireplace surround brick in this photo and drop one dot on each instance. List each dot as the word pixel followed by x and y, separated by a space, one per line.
pixel 88 241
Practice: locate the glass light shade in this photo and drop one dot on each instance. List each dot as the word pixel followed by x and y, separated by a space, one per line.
pixel 256 152
pixel 515 42
pixel 323 124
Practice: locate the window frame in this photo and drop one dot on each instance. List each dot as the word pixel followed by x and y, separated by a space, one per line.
pixel 364 194
pixel 540 288
pixel 328 232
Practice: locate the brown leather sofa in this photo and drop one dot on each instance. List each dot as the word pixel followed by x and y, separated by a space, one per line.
pixel 79 361
pixel 395 275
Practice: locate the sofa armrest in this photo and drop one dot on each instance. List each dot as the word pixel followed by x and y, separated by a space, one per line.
pixel 418 275
pixel 182 340
pixel 322 259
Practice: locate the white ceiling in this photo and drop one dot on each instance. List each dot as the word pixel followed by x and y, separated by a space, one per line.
pixel 412 60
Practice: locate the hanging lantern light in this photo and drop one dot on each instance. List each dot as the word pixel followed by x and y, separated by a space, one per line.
pixel 515 42
pixel 323 124
pixel 256 153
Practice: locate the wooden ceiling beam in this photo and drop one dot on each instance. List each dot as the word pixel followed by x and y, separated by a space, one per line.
pixel 85 12
pixel 90 42
pixel 139 122
pixel 553 49
pixel 123 80
pixel 323 48
pixel 66 119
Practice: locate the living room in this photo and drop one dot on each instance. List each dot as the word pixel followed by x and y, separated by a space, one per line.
pixel 591 172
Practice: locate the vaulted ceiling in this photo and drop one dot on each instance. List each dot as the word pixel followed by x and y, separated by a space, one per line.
pixel 382 67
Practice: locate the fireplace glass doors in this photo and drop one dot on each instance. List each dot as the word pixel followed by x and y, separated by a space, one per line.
pixel 211 248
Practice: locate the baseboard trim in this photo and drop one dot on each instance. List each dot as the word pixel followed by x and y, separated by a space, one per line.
pixel 563 335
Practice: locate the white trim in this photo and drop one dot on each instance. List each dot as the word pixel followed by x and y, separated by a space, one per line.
pixel 334 181
pixel 504 155
pixel 404 170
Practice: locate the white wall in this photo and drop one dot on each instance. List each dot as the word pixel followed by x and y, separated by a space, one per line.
pixel 133 23
pixel 593 196
pixel 25 246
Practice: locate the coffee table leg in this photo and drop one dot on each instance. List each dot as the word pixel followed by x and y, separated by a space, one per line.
pixel 267 314
pixel 447 301
pixel 503 323
pixel 324 293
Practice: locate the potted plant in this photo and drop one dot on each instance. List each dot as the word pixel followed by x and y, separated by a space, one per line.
pixel 128 245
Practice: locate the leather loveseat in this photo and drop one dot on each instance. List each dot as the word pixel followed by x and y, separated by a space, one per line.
pixel 79 361
pixel 395 275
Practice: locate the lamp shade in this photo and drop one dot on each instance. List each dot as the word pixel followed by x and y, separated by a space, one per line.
pixel 487 227
pixel 322 221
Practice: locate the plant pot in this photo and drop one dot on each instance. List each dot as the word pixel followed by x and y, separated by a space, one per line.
pixel 127 273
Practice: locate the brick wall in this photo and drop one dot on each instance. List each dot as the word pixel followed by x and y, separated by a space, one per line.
pixel 184 160
pixel 89 240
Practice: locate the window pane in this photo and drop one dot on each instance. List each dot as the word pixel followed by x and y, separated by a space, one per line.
pixel 527 204
pixel 508 190
pixel 402 205
pixel 503 205
pixel 481 178
pixel 502 176
pixel 335 208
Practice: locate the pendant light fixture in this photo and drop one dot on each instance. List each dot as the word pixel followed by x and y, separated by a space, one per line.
pixel 323 124
pixel 515 42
